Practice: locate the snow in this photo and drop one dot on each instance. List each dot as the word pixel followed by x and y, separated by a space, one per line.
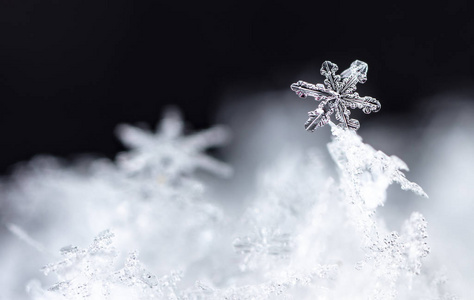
pixel 148 226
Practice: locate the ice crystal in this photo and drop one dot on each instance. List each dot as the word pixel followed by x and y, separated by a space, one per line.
pixel 145 284
pixel 415 244
pixel 366 172
pixel 264 242
pixel 90 273
pixel 168 153
pixel 337 95
pixel 82 271
pixel 365 175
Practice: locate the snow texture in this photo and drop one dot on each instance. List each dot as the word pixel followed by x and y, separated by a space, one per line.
pixel 305 235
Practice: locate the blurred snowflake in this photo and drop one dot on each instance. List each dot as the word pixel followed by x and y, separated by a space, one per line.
pixel 168 153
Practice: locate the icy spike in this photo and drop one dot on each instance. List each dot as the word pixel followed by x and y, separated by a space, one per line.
pixel 337 95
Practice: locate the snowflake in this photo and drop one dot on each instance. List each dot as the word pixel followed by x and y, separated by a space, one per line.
pixel 168 153
pixel 336 95
pixel 91 273
pixel 82 270
pixel 264 242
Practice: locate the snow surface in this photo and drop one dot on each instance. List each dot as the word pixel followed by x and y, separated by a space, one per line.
pixel 306 216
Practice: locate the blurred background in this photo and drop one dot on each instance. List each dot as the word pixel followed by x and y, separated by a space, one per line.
pixel 70 71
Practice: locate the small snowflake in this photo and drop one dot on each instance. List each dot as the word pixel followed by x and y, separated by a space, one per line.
pixel 168 152
pixel 91 273
pixel 337 95
pixel 82 271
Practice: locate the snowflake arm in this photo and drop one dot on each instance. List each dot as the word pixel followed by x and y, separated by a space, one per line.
pixel 212 137
pixel 350 77
pixel 342 115
pixel 213 165
pixel 134 137
pixel 328 70
pixel 171 125
pixel 367 104
pixel 318 117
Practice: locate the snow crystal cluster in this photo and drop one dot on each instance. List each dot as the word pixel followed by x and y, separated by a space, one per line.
pixel 305 234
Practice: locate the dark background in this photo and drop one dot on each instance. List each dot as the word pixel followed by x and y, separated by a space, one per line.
pixel 70 71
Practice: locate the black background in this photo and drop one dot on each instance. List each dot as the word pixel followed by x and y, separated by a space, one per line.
pixel 70 71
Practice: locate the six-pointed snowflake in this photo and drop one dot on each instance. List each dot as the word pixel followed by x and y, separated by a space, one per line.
pixel 169 152
pixel 337 95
